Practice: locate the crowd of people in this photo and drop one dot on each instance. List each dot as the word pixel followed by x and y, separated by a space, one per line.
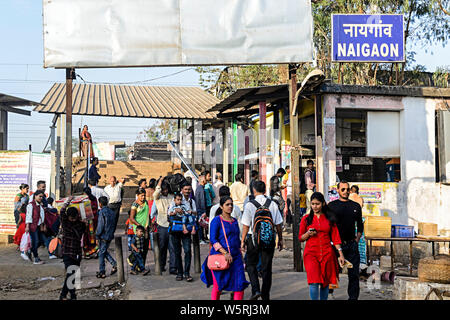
pixel 242 223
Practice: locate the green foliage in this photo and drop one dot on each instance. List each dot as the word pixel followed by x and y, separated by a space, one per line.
pixel 441 77
pixel 160 131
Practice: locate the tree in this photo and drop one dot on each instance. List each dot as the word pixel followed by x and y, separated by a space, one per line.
pixel 426 24
pixel 160 131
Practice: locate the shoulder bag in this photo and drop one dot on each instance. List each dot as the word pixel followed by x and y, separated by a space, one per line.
pixel 217 262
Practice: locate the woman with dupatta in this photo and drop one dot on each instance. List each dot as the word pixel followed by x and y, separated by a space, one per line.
pixel 140 216
pixel 90 248
pixel 86 142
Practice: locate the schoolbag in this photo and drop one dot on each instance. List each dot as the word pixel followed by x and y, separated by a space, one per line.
pixel 263 226
pixel 175 224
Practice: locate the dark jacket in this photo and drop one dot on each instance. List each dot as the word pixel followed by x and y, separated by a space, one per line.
pixel 93 174
pixel 106 224
pixel 71 235
pixel 200 200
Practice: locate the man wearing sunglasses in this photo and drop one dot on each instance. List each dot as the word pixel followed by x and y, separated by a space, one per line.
pixel 348 213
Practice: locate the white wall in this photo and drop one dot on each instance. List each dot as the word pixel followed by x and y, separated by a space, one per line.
pixel 423 198
pixel 418 197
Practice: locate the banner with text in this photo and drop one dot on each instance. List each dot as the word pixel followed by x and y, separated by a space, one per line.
pixel 368 38
pixel 14 170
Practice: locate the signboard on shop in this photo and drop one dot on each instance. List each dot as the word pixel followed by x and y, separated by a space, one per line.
pixel 368 38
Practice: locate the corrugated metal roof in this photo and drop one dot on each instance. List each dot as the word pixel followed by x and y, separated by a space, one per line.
pixel 131 101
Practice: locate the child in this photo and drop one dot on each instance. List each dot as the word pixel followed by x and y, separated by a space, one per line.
pixel 20 231
pixel 104 234
pixel 177 206
pixel 129 231
pixel 137 245
pixel 52 221
pixel 189 222
pixel 73 229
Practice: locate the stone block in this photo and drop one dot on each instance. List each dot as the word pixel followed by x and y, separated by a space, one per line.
pixel 407 288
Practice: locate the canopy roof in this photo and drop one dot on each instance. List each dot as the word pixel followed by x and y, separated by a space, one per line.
pixel 8 103
pixel 131 101
pixel 245 101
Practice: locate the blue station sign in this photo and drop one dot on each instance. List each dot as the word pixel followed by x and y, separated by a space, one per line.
pixel 368 38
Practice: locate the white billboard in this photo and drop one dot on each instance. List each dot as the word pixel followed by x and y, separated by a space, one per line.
pixel 118 33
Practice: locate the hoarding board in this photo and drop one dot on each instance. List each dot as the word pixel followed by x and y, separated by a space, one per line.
pixel 117 33
pixel 40 170
pixel 14 170
pixel 368 38
pixel 104 151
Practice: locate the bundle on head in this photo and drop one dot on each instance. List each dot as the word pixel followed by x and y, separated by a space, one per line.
pixel 175 182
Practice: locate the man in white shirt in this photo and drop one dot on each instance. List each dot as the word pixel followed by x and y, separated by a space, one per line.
pixel 97 191
pixel 216 186
pixel 253 253
pixel 239 191
pixel 223 192
pixel 162 200
pixel 114 192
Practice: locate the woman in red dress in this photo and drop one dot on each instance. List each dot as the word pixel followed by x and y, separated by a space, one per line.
pixel 318 229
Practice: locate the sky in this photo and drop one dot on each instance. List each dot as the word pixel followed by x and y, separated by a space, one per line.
pixel 22 75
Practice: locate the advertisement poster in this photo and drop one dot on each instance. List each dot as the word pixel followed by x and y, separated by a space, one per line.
pixel 104 151
pixel 40 170
pixel 14 170
pixel 370 192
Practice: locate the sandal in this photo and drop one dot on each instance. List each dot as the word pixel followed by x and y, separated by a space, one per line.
pixel 189 278
pixel 179 278
pixel 133 272
pixel 113 270
pixel 101 275
pixel 146 272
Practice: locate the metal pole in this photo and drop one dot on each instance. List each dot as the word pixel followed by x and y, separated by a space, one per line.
pixel 88 160
pixel 119 259
pixel 57 167
pixel 235 149
pixel 262 141
pixel 53 160
pixel 156 253
pixel 247 162
pixel 213 154
pixel 295 169
pixel 225 151
pixel 196 246
pixel 70 73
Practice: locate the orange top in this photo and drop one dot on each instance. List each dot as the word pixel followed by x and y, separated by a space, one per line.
pixel 129 227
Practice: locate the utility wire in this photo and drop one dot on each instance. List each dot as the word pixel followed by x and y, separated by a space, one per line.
pixel 141 81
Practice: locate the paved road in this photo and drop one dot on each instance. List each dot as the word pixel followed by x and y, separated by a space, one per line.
pixel 286 284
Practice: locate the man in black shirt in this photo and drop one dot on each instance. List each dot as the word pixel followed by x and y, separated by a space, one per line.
pixel 348 214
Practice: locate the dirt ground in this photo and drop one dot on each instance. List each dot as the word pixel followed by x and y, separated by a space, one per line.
pixel 21 280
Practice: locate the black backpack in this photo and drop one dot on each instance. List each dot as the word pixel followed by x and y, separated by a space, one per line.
pixel 263 226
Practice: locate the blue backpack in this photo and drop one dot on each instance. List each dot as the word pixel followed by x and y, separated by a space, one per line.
pixel 263 226
pixel 175 224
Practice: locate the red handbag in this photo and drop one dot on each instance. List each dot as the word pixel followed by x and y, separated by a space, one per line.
pixel 217 262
